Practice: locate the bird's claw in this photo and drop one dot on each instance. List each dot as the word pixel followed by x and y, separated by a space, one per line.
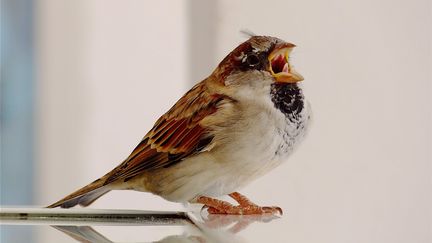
pixel 273 210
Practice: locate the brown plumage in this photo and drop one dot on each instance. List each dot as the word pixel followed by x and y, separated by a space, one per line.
pixel 176 135
pixel 227 130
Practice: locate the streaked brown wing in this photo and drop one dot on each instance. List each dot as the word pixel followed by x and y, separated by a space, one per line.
pixel 176 135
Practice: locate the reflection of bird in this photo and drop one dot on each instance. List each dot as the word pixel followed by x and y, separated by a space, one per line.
pixel 84 234
pixel 213 229
pixel 236 125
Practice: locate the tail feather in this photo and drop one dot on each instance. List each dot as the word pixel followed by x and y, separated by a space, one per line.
pixel 84 196
pixel 93 196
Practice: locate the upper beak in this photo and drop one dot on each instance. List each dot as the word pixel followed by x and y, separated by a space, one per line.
pixel 279 66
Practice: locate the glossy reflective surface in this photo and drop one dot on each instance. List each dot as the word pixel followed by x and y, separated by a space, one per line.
pixel 90 225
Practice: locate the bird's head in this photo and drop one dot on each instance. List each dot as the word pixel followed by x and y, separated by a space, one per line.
pixel 259 59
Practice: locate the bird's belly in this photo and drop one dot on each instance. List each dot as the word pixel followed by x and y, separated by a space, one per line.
pixel 213 174
pixel 265 151
pixel 255 150
pixel 260 149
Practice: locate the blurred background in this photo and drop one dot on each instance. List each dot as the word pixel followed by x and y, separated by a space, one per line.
pixel 82 82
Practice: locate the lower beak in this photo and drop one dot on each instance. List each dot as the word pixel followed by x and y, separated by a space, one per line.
pixel 292 77
pixel 281 69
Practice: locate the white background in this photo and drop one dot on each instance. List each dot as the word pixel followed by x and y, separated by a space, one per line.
pixel 108 69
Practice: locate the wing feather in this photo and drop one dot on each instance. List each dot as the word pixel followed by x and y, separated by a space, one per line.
pixel 176 135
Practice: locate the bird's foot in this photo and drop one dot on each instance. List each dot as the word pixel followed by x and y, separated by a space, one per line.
pixel 245 207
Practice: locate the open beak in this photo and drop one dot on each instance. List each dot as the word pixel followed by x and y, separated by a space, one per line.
pixel 280 68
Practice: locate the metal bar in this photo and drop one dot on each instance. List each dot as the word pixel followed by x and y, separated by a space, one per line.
pixel 32 216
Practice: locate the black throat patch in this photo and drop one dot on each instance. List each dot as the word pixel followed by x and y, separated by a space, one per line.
pixel 288 98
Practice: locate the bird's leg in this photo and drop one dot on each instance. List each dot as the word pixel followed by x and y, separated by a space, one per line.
pixel 242 199
pixel 245 202
pixel 245 206
pixel 214 204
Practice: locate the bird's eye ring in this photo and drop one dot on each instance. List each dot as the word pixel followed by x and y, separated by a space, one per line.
pixel 252 59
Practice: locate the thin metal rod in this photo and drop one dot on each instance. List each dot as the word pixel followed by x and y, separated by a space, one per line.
pixel 33 216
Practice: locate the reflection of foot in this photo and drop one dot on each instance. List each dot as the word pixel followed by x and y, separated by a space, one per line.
pixel 245 207
pixel 235 223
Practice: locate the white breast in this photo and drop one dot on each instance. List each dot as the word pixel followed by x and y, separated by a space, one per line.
pixel 261 140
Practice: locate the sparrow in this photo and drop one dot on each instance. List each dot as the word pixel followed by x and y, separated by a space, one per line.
pixel 236 125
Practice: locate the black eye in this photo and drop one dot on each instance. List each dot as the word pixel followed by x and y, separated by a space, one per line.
pixel 252 59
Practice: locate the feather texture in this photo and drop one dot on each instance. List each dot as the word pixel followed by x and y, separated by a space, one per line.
pixel 176 135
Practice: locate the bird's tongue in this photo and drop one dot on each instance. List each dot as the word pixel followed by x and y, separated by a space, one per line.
pixel 279 64
pixel 285 68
